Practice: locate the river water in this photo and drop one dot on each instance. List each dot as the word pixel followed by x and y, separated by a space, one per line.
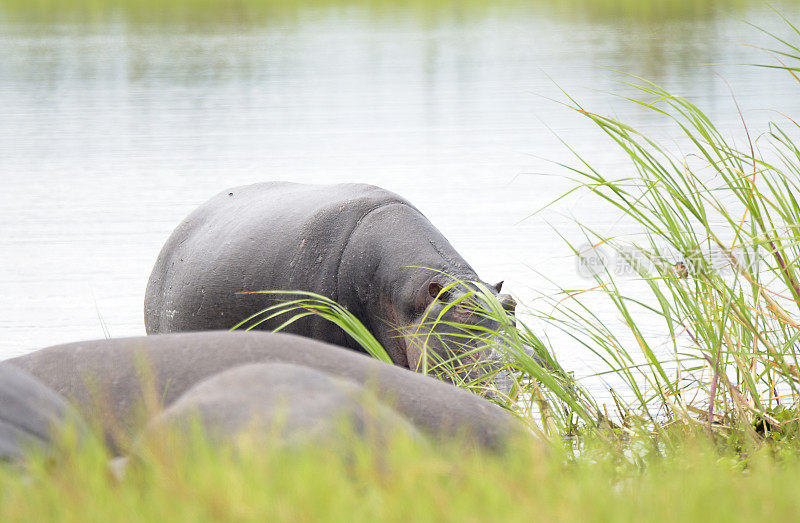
pixel 116 122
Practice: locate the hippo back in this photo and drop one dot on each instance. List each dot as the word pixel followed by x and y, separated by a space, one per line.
pixel 267 236
pixel 287 403
pixel 29 412
pixel 176 362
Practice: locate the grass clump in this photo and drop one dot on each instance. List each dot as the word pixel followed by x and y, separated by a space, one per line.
pixel 717 261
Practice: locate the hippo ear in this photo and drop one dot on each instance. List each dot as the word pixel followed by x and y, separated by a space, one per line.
pixel 434 289
pixel 498 286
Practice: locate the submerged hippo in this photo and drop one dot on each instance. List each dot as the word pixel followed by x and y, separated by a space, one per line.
pixel 30 413
pixel 105 377
pixel 288 403
pixel 362 246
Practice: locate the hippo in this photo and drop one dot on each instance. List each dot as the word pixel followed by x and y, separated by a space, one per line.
pixel 291 404
pixel 111 372
pixel 362 246
pixel 30 414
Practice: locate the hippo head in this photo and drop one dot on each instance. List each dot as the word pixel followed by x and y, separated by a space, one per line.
pixel 459 334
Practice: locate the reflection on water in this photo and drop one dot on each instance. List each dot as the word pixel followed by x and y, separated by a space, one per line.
pixel 115 121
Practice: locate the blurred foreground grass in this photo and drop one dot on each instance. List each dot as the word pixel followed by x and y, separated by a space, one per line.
pixel 401 481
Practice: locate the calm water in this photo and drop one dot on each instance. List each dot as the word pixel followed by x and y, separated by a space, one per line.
pixel 114 125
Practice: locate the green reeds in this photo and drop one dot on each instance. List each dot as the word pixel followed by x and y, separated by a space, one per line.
pixel 717 256
pixel 542 392
pixel 308 304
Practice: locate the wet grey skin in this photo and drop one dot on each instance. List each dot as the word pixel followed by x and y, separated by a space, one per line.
pixel 362 246
pixel 109 372
pixel 284 404
pixel 30 414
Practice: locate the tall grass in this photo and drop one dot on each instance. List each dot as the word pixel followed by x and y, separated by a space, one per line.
pixel 717 256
